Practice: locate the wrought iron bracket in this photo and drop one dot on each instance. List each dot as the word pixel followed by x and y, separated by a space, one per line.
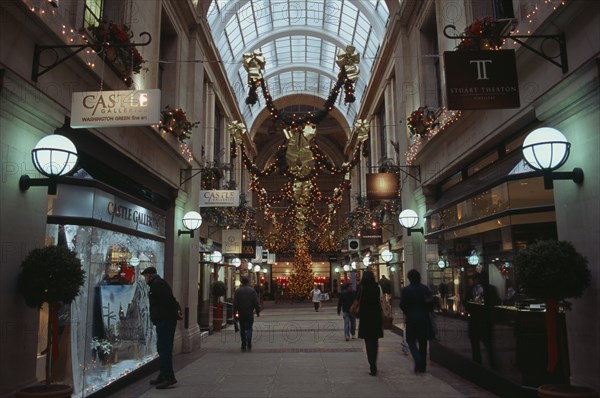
pixel 560 39
pixel 38 50
pixel 183 179
pixel 413 171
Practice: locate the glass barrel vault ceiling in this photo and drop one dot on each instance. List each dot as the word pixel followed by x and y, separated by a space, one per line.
pixel 299 39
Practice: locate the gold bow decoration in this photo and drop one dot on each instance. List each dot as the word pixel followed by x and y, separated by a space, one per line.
pixel 302 192
pixel 362 129
pixel 254 62
pixel 349 59
pixel 298 153
pixel 237 131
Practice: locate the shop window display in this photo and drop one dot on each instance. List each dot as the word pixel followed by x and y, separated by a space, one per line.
pixel 110 329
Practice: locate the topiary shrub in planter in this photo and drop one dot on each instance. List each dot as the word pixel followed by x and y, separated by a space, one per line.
pixel 552 271
pixel 52 275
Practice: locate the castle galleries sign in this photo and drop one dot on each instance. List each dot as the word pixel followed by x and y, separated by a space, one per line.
pixel 481 79
pixel 219 198
pixel 115 108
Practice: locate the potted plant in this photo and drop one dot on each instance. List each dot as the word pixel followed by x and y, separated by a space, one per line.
pixel 114 41
pixel 51 275
pixel 486 28
pixel 420 120
pixel 174 121
pixel 552 271
pixel 218 290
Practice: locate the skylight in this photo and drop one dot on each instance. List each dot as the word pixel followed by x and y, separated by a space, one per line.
pixel 299 39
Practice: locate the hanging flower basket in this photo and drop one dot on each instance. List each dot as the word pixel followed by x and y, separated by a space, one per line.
pixel 174 121
pixel 485 27
pixel 420 121
pixel 113 45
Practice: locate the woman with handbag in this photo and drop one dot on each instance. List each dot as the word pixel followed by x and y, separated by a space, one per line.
pixel 370 327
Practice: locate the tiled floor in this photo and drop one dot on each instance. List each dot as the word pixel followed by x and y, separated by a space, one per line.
pixel 298 352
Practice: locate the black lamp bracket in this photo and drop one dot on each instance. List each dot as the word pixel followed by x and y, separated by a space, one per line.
pixel 560 39
pixel 576 176
pixel 410 230
pixel 38 50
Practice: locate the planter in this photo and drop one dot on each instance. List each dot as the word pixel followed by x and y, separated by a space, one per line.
pixel 50 391
pixel 565 391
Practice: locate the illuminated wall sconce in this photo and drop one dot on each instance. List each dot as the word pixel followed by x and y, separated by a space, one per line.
pixel 346 268
pixel 546 149
pixel 236 262
pixel 191 221
pixel 257 268
pixel 366 261
pixel 216 256
pixel 387 256
pixel 408 219
pixel 442 263
pixel 53 156
pixel 473 259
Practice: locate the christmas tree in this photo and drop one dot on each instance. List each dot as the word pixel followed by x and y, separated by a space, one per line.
pixel 301 279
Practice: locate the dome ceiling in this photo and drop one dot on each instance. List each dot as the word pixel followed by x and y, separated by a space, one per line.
pixel 300 40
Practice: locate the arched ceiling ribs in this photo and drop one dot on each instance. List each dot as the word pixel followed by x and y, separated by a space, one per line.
pixel 300 31
pixel 218 21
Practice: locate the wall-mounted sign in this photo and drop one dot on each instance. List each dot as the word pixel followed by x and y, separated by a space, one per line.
pixel 382 186
pixel 248 249
pixel 115 108
pixel 371 236
pixel 481 79
pixel 232 241
pixel 84 202
pixel 219 198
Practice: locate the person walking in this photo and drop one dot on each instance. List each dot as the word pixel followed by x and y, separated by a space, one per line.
pixel 316 297
pixel 245 303
pixel 370 327
pixel 164 313
pixel 346 299
pixel 416 302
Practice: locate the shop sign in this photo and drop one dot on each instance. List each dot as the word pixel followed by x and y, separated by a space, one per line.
pixel 481 79
pixel 86 202
pixel 232 241
pixel 382 186
pixel 371 236
pixel 248 249
pixel 115 108
pixel 219 198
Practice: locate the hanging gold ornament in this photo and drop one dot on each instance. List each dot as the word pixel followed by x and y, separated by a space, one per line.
pixel 362 129
pixel 349 59
pixel 237 131
pixel 254 62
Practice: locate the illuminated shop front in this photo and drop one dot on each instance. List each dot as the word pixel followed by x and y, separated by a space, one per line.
pixel 108 326
pixel 477 228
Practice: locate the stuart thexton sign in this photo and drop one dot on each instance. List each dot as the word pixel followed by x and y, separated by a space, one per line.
pixel 115 108
pixel 219 198
pixel 481 79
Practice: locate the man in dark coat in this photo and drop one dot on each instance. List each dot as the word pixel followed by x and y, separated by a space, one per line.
pixel 164 313
pixel 416 302
pixel 345 301
pixel 245 303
